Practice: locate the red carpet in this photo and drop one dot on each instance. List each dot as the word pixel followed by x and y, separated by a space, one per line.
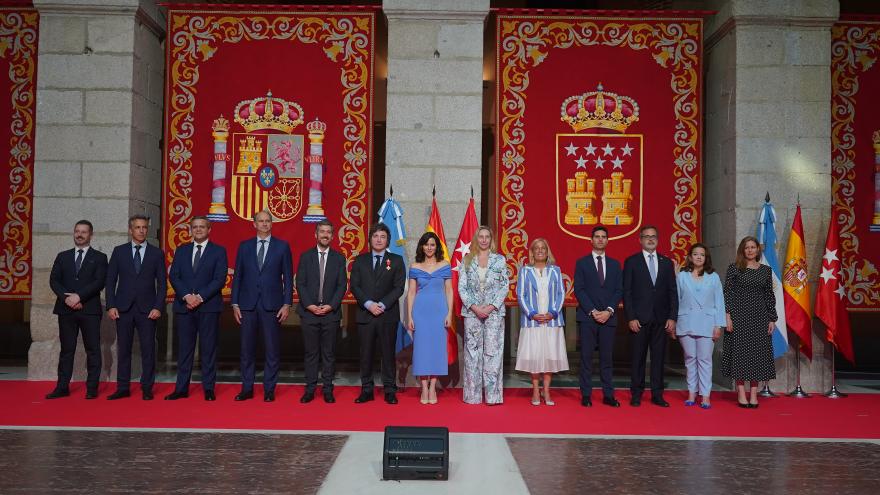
pixel 857 416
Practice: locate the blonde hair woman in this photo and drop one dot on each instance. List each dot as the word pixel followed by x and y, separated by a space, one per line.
pixel 483 286
pixel 540 294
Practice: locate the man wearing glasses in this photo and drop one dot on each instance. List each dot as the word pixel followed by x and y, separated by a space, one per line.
pixel 650 298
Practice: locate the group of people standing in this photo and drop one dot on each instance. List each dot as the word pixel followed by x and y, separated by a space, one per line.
pixel 662 301
pixel 690 305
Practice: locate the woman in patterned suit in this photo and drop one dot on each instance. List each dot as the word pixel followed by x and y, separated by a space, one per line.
pixel 483 287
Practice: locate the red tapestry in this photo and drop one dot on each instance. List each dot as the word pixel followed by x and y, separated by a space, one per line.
pixel 18 61
pixel 855 157
pixel 599 122
pixel 268 110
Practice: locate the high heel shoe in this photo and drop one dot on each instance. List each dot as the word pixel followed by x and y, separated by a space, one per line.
pixel 423 399
pixel 432 400
pixel 744 405
pixel 547 401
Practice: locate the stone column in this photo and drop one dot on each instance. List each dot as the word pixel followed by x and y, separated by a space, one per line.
pixel 99 125
pixel 768 129
pixel 435 99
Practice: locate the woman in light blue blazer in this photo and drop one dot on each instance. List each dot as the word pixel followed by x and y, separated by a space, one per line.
pixel 540 292
pixel 701 316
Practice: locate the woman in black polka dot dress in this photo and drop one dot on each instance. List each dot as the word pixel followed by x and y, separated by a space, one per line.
pixel 747 355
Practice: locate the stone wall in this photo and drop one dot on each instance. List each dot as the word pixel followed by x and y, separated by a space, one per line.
pixel 97 157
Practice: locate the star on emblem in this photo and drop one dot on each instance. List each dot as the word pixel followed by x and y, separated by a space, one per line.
pixel 582 162
pixel 608 149
pixel 827 274
pixel 618 163
pixel 627 150
pixel 830 255
pixel 464 248
pixel 841 292
pixel 591 150
pixel 599 162
pixel 571 149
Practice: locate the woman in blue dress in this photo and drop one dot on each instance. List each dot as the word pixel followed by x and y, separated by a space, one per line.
pixel 429 311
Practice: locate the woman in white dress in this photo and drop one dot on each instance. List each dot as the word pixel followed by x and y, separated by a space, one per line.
pixel 540 293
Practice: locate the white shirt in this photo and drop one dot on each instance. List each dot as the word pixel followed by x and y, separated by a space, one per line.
pixel 596 262
pixel 134 251
pixel 648 260
pixel 195 249
pixel 268 240
pixel 326 255
pixel 85 250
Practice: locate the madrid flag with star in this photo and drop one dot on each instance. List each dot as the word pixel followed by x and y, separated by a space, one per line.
pixel 830 306
pixel 462 247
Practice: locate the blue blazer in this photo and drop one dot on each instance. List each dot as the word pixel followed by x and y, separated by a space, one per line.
pixel 527 295
pixel 144 291
pixel 272 286
pixel 590 295
pixel 700 305
pixel 207 281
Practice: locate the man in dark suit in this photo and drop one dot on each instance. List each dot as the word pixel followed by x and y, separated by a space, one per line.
pixel 198 275
pixel 262 292
pixel 650 298
pixel 598 287
pixel 77 277
pixel 377 280
pixel 136 289
pixel 320 283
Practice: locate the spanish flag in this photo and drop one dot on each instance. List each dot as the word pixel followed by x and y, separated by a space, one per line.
pixel 796 287
pixel 435 225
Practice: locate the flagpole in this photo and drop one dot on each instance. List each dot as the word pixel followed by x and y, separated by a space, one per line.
pixel 798 392
pixel 834 393
pixel 766 392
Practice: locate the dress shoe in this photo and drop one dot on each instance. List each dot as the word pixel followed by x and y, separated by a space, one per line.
pixel 610 401
pixel 176 395
pixel 391 398
pixel 269 397
pixel 535 402
pixel 753 406
pixel 244 395
pixel 744 405
pixel 91 394
pixel 57 394
pixel 635 401
pixel 659 402
pixel 364 397
pixel 328 398
pixel 209 395
pixel 119 394
pixel 586 402
pixel 307 397
pixel 147 394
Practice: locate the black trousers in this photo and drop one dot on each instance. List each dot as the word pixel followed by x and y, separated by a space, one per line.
pixel 319 340
pixel 69 328
pixel 591 334
pixel 128 322
pixel 652 336
pixel 204 327
pixel 385 332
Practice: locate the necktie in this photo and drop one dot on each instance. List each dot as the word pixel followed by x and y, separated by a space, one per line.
pixel 321 266
pixel 601 270
pixel 378 262
pixel 79 259
pixel 198 257
pixel 652 269
pixel 261 254
pixel 137 258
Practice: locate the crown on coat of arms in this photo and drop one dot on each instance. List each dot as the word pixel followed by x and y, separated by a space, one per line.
pixel 600 108
pixel 268 113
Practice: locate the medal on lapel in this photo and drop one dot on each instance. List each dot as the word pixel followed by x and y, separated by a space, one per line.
pixel 388 264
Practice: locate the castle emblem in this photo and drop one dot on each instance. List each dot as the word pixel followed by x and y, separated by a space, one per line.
pixel 267 162
pixel 599 172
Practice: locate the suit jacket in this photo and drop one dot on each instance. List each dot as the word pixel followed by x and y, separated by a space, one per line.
pixel 384 285
pixel 527 296
pixel 272 286
pixel 87 283
pixel 646 301
pixel 308 282
pixel 207 281
pixel 497 285
pixel 143 291
pixel 699 311
pixel 590 294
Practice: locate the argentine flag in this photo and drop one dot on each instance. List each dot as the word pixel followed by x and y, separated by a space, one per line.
pixel 391 214
pixel 767 237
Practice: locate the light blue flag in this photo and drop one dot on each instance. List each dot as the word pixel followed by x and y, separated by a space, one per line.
pixel 391 214
pixel 767 237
